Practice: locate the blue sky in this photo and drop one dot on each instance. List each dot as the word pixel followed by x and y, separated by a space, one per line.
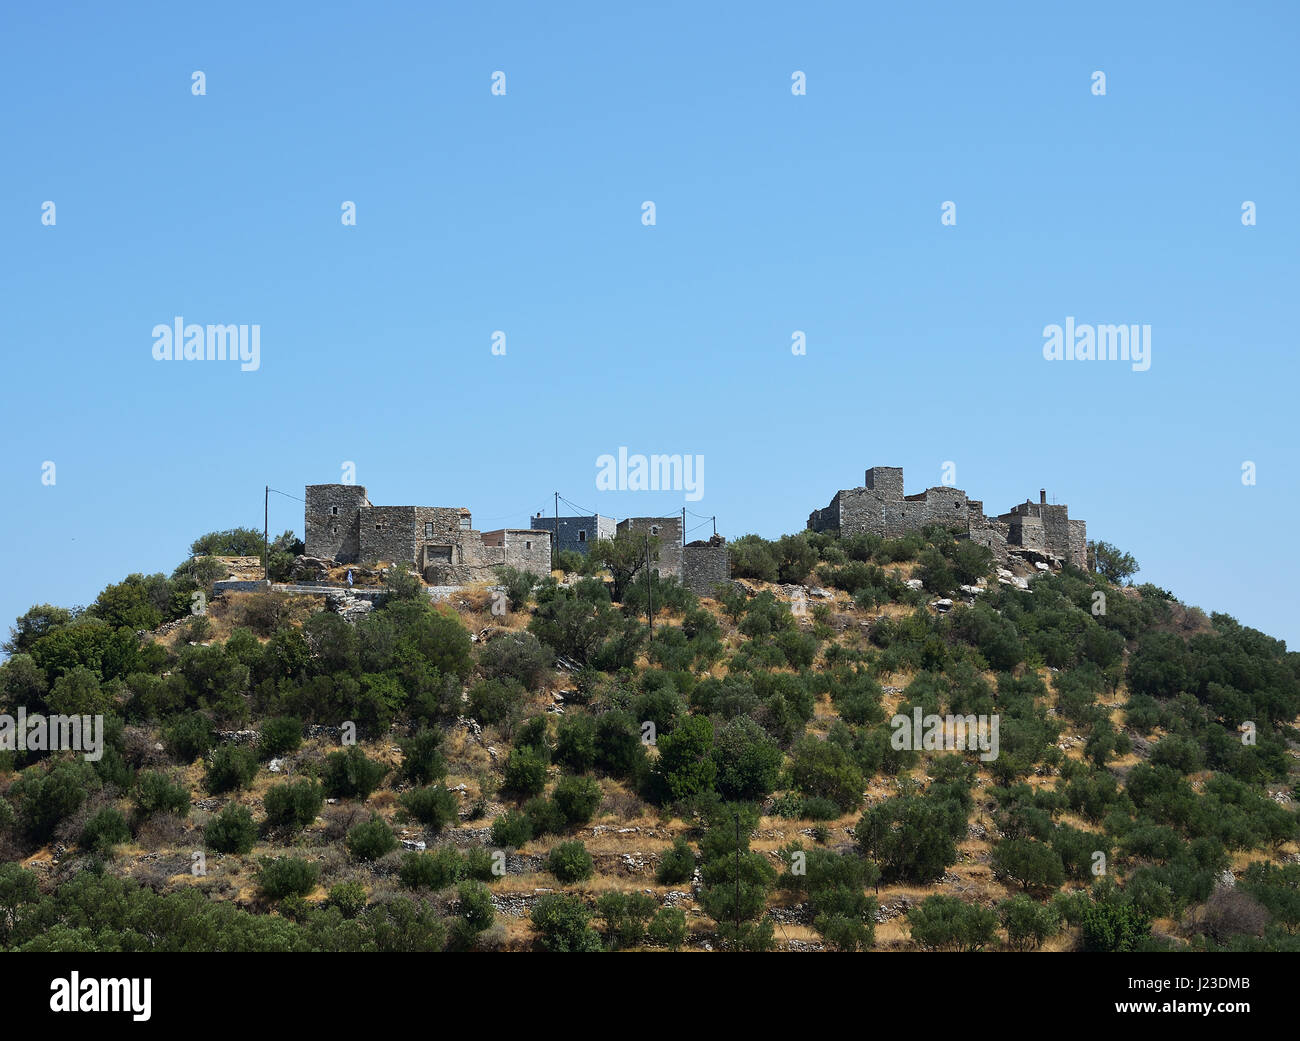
pixel 775 213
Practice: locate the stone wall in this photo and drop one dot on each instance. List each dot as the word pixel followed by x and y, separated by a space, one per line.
pixel 576 533
pixel 669 532
pixel 880 508
pixel 331 521
pixel 525 549
pixel 706 565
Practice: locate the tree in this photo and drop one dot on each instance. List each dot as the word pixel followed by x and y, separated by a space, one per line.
pixel 747 760
pixel 563 924
pixel 1028 923
pixel 949 923
pixel 685 766
pixel 625 555
pixel 1112 563
pixel 36 622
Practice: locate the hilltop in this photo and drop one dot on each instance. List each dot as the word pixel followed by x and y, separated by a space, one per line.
pixel 522 764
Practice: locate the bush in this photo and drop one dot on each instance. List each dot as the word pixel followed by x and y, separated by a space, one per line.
pixel 511 829
pixel 518 657
pixel 677 865
pixel 948 923
pixel 293 805
pixel 1028 923
pixel 279 736
pixel 422 760
pixel 474 913
pixel 575 742
pixel 371 839
pixel 231 831
pixel 436 870
pixel 668 929
pixel 155 793
pixel 435 807
pixel 562 924
pixel 285 876
pixel 104 831
pixel 577 799
pixel 352 774
pixel 189 737
pixel 525 772
pixel 570 862
pixel 625 916
pixel 348 897
pixel 46 798
pixel 231 767
pixel 495 701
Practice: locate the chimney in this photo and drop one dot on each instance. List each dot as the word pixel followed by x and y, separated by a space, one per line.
pixel 1042 496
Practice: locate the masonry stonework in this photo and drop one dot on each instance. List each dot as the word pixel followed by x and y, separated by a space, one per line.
pixel 880 508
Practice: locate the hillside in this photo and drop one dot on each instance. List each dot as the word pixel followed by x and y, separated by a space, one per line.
pixel 528 767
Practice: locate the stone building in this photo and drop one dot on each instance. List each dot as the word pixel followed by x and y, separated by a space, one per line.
pixel 668 530
pixel 706 564
pixel 340 523
pixel 575 533
pixel 880 507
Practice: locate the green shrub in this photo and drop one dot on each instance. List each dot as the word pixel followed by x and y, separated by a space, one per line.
pixel 156 793
pixel 293 805
pixel 511 829
pixel 279 736
pixel 625 916
pixel 422 759
pixel 577 798
pixel 668 928
pixel 351 774
pixel 370 839
pixel 104 831
pixel 435 870
pixel 525 772
pixel 231 831
pixel 677 865
pixel 189 737
pixel 282 877
pixel 562 924
pixel 570 862
pixel 494 701
pixel 348 897
pixel 435 806
pixel 231 767
pixel 517 657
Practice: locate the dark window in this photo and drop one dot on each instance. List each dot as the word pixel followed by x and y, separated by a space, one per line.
pixel 582 535
pixel 334 511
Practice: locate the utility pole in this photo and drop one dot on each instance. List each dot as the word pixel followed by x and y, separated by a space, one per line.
pixel 715 526
pixel 683 527
pixel 737 875
pixel 266 531
pixel 650 588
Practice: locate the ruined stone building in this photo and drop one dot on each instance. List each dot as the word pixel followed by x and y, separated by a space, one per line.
pixel 340 523
pixel 575 533
pixel 879 507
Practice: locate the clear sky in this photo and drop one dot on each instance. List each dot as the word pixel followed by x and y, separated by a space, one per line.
pixel 522 212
